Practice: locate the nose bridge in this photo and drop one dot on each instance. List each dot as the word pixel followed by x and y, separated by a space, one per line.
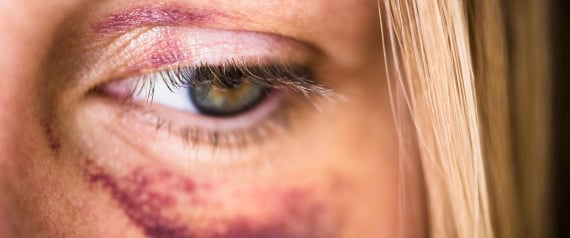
pixel 17 44
pixel 24 41
pixel 23 44
pixel 11 79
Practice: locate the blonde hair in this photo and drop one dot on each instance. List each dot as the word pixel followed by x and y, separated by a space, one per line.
pixel 472 75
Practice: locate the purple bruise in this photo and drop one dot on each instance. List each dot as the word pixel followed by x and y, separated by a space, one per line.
pixel 136 195
pixel 154 16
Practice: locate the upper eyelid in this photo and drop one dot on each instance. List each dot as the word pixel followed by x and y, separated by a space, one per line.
pixel 189 46
pixel 155 16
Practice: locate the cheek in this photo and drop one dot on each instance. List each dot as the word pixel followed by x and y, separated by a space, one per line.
pixel 163 204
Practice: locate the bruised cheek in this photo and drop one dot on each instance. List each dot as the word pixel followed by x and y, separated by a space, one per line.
pixel 163 204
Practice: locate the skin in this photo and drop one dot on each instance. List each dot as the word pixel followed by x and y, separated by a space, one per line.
pixel 80 164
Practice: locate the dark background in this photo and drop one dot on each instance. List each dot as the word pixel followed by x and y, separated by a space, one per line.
pixel 561 118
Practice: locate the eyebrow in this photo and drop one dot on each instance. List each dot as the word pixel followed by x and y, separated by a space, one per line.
pixel 155 16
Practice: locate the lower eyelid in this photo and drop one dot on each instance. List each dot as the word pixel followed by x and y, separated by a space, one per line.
pixel 213 143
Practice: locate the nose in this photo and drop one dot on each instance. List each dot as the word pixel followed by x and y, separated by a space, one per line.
pixel 16 73
pixel 27 29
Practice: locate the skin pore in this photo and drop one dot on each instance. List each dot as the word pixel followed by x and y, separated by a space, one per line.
pixel 80 158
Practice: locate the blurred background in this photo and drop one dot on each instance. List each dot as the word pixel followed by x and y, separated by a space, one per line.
pixel 561 131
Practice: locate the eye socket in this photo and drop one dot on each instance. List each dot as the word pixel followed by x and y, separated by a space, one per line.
pixel 231 104
pixel 227 99
pixel 217 90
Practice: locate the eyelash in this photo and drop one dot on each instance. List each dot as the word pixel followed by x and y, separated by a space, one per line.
pixel 269 75
pixel 295 78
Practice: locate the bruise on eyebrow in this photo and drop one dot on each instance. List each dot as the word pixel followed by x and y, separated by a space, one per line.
pixel 157 201
pixel 156 16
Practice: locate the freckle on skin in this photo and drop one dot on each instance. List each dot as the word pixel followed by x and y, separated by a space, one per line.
pixel 156 201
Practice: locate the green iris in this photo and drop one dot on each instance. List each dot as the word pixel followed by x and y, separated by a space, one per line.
pixel 229 99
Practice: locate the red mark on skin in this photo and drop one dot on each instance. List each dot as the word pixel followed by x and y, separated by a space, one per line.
pixel 155 16
pixel 163 52
pixel 166 52
pixel 51 137
pixel 158 201
pixel 141 203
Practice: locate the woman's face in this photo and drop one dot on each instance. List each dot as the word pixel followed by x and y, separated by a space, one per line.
pixel 198 118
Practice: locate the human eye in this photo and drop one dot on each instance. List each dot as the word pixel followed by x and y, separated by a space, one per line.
pixel 226 90
pixel 218 106
pixel 240 97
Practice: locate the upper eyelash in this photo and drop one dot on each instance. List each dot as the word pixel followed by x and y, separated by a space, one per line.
pixel 270 75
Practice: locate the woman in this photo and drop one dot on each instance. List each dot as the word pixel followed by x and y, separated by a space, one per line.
pixel 353 118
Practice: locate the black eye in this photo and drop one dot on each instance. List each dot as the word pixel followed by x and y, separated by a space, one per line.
pixel 226 95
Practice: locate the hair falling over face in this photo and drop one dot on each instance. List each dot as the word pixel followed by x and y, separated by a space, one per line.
pixel 461 72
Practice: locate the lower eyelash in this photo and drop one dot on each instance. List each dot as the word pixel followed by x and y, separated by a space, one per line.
pixel 275 123
pixel 236 143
